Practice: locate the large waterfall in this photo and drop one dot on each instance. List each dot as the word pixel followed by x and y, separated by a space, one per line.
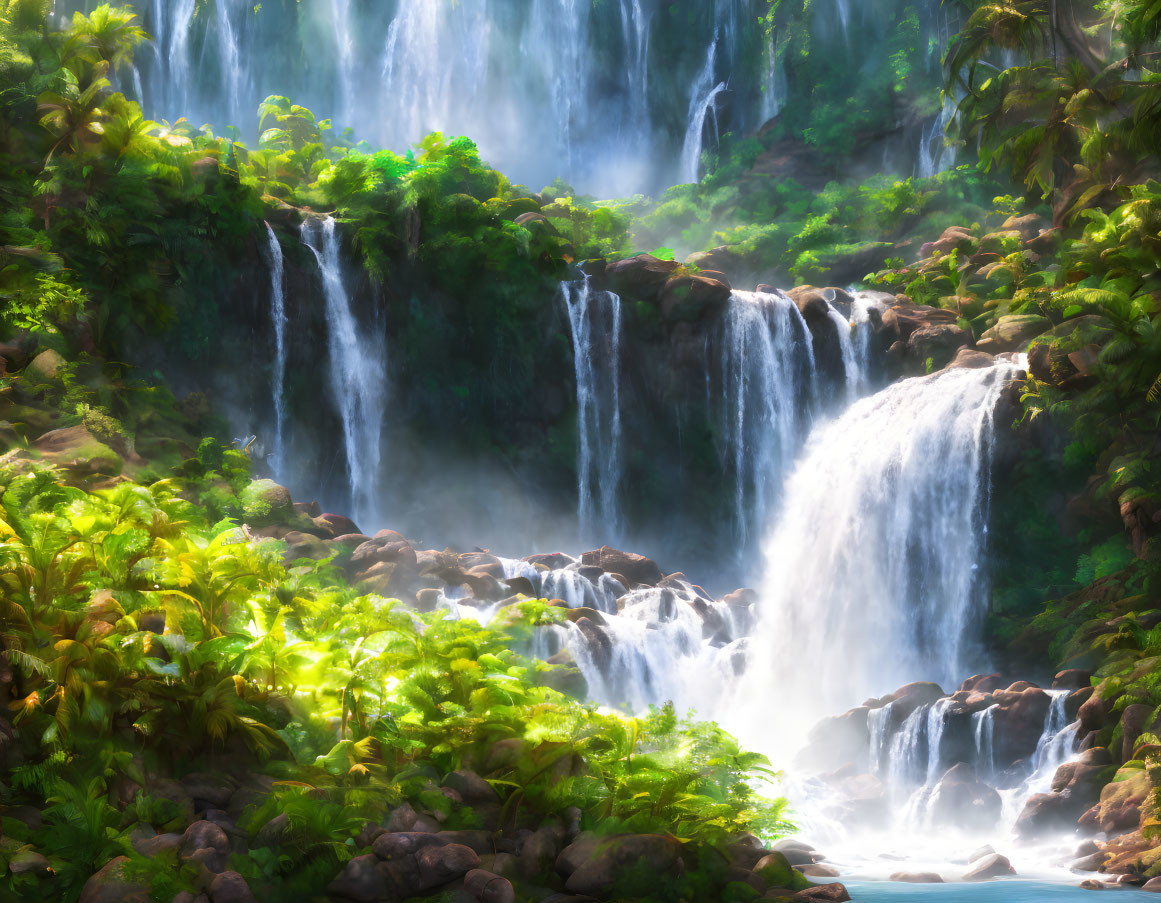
pixel 875 561
pixel 357 372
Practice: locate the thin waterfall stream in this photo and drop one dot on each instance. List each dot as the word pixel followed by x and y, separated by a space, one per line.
pixel 357 372
pixel 278 320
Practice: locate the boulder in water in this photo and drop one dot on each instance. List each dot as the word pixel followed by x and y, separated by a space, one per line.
pixel 970 359
pixel 824 893
pixel 993 866
pixel 933 347
pixel 637 569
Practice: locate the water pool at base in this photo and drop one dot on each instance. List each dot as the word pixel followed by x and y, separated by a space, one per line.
pixel 1001 891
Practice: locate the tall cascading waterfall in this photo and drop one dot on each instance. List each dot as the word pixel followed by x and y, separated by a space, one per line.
pixel 595 322
pixel 547 88
pixel 875 559
pixel 275 261
pixel 358 376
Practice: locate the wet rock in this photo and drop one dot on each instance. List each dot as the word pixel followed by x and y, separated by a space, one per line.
pixel 472 787
pixel 641 277
pixel 1090 863
pixel 934 347
pixel 159 843
pixel 337 525
pixel 916 878
pixel 1093 714
pixel 1013 333
pixel 637 569
pixel 691 298
pixel 397 845
pixel 911 696
pixel 1045 814
pixel 1092 884
pixel 1135 720
pixel 230 887
pixel 824 893
pixel 1018 720
pixel 901 321
pixel 553 561
pixel 109 885
pixel 1121 801
pixel 609 858
pixel 488 887
pixel 1153 885
pixel 440 864
pixel 970 359
pixel 364 879
pixel 815 303
pixel 993 866
pixel 1072 679
pixel 204 843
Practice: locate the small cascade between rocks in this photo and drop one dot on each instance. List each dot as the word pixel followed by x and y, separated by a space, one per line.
pixel 357 372
pixel 274 260
pixel 595 322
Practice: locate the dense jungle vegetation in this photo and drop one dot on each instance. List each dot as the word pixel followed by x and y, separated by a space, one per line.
pixel 152 652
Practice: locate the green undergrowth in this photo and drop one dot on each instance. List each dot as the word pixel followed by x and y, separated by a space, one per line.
pixel 142 640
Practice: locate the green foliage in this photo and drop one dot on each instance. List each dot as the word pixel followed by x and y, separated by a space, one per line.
pixel 353 702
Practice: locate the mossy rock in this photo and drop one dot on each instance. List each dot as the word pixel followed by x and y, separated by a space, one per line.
pixel 79 453
pixel 777 871
pixel 45 366
pixel 265 502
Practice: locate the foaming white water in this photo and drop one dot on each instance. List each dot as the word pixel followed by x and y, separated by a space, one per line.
pixel 872 570
pixel 595 321
pixel 278 320
pixel 357 372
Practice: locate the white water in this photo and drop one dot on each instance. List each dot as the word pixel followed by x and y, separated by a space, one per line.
pixel 768 377
pixel 702 104
pixel 595 321
pixel 274 260
pixel 875 560
pixel 357 372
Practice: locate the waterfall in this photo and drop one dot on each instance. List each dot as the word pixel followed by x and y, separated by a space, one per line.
pixel 345 53
pixel 935 156
pixel 852 371
pixel 229 59
pixel 768 373
pixel 278 320
pixel 357 372
pixel 556 41
pixel 703 98
pixel 874 561
pixel 635 34
pixel 595 321
pixel 177 75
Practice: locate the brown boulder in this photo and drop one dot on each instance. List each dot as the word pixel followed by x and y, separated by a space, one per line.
pixel 970 359
pixel 637 569
pixel 640 277
pixel 690 298
pixel 611 858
